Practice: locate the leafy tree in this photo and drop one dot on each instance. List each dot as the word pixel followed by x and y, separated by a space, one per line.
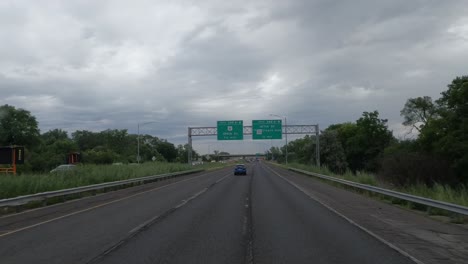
pixel 182 155
pixel 364 141
pixel 87 140
pixel 447 135
pixel 373 137
pixel 302 150
pixel 100 156
pixel 418 111
pixel 18 127
pixel 215 155
pixel 405 164
pixel 332 153
pixel 116 140
pixel 167 150
pixel 345 133
pixel 52 150
pixel 276 154
pixel 51 136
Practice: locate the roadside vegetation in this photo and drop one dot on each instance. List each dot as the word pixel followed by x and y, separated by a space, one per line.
pixel 364 178
pixel 45 151
pixel 104 156
pixel 433 164
pixel 82 175
pixel 437 191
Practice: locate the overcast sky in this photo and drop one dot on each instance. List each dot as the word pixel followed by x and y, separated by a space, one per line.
pixel 94 65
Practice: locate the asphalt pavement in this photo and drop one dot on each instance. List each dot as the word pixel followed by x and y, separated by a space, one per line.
pixel 211 218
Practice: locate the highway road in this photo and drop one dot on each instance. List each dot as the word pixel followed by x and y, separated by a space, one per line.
pixel 210 217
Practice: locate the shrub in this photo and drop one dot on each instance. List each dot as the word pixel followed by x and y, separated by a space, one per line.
pixel 403 169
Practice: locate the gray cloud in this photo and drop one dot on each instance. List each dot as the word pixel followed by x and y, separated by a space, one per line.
pixel 113 64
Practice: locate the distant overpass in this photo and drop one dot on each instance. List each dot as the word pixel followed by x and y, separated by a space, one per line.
pixel 242 155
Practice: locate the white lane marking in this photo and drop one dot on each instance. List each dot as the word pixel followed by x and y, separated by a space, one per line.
pixel 399 250
pixel 184 202
pixel 77 200
pixel 190 198
pixel 97 206
pixel 143 225
pixel 244 226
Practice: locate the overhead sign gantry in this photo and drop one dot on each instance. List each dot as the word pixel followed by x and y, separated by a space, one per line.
pixel 260 130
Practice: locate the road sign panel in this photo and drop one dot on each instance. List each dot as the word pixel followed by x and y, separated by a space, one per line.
pixel 267 129
pixel 231 130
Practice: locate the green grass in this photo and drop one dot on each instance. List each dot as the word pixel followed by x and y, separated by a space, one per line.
pixel 18 185
pixel 363 178
pixel 437 192
pixel 440 192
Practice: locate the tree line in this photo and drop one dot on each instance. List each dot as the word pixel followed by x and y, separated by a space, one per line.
pixel 439 153
pixel 47 150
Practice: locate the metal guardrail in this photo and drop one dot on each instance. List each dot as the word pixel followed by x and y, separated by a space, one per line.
pixel 455 208
pixel 21 200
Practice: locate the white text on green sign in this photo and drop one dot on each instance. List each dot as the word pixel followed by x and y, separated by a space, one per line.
pixel 230 130
pixel 267 129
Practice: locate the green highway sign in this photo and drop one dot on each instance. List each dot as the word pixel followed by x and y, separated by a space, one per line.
pixel 267 129
pixel 231 130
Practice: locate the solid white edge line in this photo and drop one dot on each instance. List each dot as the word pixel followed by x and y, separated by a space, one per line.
pixel 399 250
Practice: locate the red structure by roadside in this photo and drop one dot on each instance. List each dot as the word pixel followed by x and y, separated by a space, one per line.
pixel 11 155
pixel 74 158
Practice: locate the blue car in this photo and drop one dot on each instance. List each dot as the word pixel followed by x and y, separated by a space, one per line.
pixel 240 169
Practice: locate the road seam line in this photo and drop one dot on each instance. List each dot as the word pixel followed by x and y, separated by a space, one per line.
pixel 86 197
pixel 95 207
pixel 135 231
pixel 387 243
pixel 248 225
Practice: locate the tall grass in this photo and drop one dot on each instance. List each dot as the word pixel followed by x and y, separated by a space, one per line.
pixel 439 192
pixel 364 178
pixel 17 185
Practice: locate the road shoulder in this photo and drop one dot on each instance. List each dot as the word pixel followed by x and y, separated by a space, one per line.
pixel 425 239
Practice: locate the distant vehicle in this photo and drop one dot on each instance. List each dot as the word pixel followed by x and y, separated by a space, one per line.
pixel 63 168
pixel 240 169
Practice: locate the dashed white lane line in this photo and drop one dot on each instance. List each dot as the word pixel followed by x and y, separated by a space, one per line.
pixel 181 204
pixel 97 206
